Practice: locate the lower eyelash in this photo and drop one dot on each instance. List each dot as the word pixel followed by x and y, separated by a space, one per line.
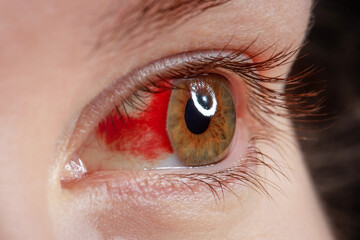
pixel 244 173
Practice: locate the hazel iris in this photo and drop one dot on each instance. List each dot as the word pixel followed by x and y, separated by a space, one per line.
pixel 201 120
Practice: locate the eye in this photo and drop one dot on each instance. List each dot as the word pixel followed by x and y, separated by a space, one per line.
pixel 180 123
pixel 195 118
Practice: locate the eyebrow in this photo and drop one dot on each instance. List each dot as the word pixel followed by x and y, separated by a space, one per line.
pixel 151 17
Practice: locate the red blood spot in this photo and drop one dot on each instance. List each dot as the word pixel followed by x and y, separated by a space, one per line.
pixel 141 135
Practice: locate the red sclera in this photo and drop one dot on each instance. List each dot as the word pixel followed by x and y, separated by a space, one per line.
pixel 143 134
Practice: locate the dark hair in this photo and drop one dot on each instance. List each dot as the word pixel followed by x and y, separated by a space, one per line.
pixel 332 145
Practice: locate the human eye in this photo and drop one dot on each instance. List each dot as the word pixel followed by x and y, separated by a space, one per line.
pixel 164 125
pixel 192 123
pixel 181 120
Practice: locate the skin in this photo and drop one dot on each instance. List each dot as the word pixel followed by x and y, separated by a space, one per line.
pixel 48 76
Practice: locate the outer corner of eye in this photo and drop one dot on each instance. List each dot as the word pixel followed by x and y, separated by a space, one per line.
pixel 191 124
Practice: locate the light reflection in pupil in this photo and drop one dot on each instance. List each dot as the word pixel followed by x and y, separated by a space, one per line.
pixel 196 121
pixel 205 101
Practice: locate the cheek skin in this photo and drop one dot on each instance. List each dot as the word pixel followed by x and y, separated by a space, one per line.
pixel 129 213
pixel 36 73
pixel 108 210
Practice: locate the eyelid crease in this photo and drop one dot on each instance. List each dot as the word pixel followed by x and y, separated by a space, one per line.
pixel 262 100
pixel 150 17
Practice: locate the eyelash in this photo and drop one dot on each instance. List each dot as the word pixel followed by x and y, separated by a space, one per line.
pixel 270 100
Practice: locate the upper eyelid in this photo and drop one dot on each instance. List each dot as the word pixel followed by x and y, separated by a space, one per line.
pixel 175 66
pixel 187 64
pixel 123 87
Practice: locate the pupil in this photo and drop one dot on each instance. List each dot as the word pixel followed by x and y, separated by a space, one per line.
pixel 204 101
pixel 195 121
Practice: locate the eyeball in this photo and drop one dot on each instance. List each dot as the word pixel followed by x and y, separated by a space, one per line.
pixel 190 124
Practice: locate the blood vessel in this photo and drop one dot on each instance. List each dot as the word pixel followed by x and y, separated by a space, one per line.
pixel 141 133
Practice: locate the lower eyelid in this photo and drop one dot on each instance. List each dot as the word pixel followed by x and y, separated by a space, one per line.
pixel 207 182
pixel 151 185
pixel 238 146
pixel 113 206
pixel 238 149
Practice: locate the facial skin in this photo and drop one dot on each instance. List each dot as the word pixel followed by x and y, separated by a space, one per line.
pixel 49 71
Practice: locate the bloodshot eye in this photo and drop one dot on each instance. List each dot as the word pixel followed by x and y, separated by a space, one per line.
pixel 185 122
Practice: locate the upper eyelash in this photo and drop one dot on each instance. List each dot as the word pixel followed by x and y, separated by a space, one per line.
pixel 259 95
pixel 249 71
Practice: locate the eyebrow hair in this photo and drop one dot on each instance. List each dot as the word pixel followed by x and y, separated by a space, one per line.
pixel 150 17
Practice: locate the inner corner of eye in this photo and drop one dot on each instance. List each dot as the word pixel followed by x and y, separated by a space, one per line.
pixel 190 125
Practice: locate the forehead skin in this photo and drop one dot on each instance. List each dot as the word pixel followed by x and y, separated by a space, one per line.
pixel 51 66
